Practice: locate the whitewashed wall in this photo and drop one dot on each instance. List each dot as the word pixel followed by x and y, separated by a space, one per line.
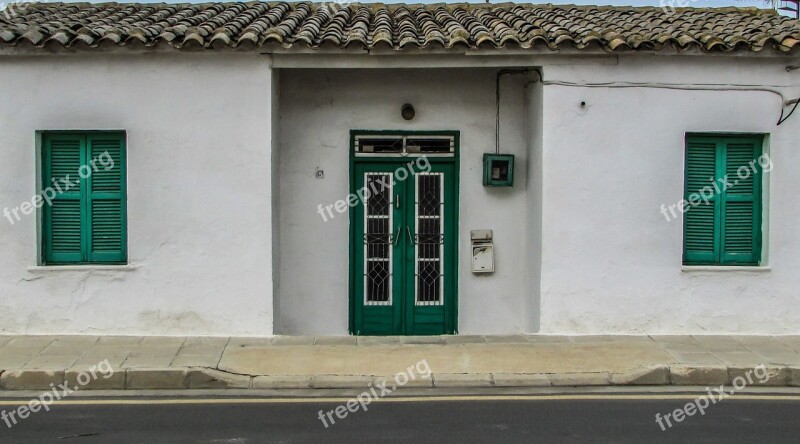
pixel 611 262
pixel 581 246
pixel 318 108
pixel 199 198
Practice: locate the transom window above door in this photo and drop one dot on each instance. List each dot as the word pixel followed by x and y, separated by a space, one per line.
pixel 379 144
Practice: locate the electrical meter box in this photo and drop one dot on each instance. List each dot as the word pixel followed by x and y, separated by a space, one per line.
pixel 498 170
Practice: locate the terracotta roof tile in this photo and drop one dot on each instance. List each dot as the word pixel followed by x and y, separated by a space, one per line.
pixel 368 26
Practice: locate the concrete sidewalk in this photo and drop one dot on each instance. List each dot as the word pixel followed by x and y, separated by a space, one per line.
pixel 303 362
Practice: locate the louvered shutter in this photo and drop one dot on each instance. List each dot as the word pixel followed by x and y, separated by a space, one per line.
pixel 701 228
pixel 106 198
pixel 741 202
pixel 64 238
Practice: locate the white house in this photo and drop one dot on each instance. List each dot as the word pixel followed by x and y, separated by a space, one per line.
pixel 260 169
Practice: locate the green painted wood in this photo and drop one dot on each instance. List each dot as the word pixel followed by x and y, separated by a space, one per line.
pixel 376 319
pixel 87 221
pixel 727 229
pixel 403 317
pixel 106 199
pixel 740 241
pixel 419 318
pixel 62 156
pixel 701 230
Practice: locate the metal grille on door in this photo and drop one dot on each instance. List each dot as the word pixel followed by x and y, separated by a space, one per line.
pixel 429 240
pixel 378 239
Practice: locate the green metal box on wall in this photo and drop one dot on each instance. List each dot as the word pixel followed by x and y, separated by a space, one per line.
pixel 498 170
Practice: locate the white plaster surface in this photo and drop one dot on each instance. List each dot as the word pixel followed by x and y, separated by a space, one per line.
pixel 318 109
pixel 199 173
pixel 580 244
pixel 611 263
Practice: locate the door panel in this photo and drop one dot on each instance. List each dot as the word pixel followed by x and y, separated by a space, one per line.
pixel 431 251
pixel 377 262
pixel 404 249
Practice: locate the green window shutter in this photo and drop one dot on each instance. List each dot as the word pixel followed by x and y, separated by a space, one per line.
pixel 86 222
pixel 700 226
pixel 741 202
pixel 724 225
pixel 106 224
pixel 62 156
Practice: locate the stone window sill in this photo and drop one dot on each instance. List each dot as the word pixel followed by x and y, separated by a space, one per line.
pixel 727 269
pixel 98 267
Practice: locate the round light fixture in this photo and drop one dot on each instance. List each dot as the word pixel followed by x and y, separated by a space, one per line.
pixel 407 111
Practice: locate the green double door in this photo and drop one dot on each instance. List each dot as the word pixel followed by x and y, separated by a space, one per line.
pixel 404 232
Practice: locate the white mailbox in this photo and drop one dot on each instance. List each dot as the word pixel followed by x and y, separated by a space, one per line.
pixel 482 251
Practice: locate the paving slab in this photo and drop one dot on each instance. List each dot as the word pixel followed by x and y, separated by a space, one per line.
pixel 14 361
pixel 721 343
pixel 52 362
pixel 651 375
pixel 248 341
pixel 794 376
pixel 462 380
pixel 378 340
pixel 31 379
pixel 70 345
pixel 220 341
pixel 738 357
pixel 768 375
pixel 147 361
pixel 201 378
pixel 282 382
pixel 402 381
pixel 695 358
pixel 120 340
pixel 31 341
pixel 422 340
pixel 464 339
pixel 504 339
pixel 704 374
pixel 156 378
pixel 335 340
pixel 210 361
pixel 162 341
pixel 580 379
pixel 201 350
pixel 521 380
pixel 83 379
pixel 340 381
pixel 293 340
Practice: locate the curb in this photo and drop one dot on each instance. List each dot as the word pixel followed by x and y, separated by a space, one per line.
pixel 201 378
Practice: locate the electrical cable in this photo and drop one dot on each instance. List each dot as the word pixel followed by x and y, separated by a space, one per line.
pixel 782 119
pixel 684 87
pixel 497 100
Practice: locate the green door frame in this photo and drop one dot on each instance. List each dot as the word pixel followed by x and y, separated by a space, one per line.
pixel 451 229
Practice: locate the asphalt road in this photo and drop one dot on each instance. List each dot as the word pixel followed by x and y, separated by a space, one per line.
pixel 443 421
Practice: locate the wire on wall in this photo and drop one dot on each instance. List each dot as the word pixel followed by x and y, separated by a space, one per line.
pixel 500 73
pixel 686 87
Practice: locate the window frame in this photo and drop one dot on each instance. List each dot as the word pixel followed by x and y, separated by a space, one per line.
pixel 45 224
pixel 758 195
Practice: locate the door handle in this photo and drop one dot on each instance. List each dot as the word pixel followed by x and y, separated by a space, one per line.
pixel 408 230
pixel 397 201
pixel 397 236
